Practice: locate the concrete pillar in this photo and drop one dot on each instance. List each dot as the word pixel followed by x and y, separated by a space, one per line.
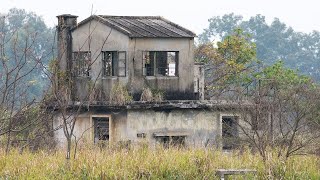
pixel 65 23
pixel 199 80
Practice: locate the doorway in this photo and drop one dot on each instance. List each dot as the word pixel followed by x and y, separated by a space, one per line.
pixel 230 135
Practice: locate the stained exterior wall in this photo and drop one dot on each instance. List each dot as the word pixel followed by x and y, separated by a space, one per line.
pixel 97 37
pixel 202 127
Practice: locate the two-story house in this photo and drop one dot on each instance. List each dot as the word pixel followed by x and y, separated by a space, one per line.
pixel 138 53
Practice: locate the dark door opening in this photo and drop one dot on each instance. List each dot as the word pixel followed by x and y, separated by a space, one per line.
pixel 101 129
pixel 229 132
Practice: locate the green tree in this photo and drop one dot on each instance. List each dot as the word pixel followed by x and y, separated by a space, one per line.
pixel 284 105
pixel 25 31
pixel 26 45
pixel 230 63
pixel 275 41
pixel 285 114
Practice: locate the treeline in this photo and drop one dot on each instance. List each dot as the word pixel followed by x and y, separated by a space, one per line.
pixel 275 41
pixel 279 108
pixel 27 46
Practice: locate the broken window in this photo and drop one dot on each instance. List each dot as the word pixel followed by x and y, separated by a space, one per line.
pixel 171 141
pixel 101 129
pixel 160 63
pixel 81 63
pixel 230 135
pixel 113 63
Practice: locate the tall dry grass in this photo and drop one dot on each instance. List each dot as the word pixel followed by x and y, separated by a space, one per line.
pixel 144 163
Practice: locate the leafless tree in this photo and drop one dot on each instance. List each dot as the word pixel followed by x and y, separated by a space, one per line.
pixel 63 92
pixel 18 61
pixel 281 119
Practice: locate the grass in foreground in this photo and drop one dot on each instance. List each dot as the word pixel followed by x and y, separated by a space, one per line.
pixel 143 163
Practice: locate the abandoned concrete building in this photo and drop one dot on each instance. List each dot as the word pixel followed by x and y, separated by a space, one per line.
pixel 138 53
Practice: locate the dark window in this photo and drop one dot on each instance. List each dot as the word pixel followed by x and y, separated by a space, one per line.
pixel 101 129
pixel 114 63
pixel 141 135
pixel 171 141
pixel 229 132
pixel 160 63
pixel 81 63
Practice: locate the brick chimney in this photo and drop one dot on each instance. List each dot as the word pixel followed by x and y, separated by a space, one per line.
pixel 65 23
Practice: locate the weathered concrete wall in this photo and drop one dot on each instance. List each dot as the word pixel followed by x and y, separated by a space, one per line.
pixel 97 37
pixel 202 128
pixel 179 87
pixel 84 126
pixel 65 23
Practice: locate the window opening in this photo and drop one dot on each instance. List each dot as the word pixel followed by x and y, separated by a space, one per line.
pixel 101 129
pixel 160 63
pixel 229 132
pixel 81 63
pixel 171 141
pixel 114 63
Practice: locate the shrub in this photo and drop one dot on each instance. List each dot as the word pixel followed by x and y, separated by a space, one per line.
pixel 151 94
pixel 119 95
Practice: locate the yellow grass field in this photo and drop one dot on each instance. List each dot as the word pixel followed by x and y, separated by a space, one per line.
pixel 144 163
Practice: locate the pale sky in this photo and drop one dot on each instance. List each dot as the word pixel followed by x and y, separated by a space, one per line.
pixel 193 14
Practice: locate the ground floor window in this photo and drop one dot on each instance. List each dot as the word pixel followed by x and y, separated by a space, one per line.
pixel 101 129
pixel 230 135
pixel 171 141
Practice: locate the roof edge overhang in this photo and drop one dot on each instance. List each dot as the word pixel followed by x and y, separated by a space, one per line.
pixel 104 21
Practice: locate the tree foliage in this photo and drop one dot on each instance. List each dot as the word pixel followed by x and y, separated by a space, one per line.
pixel 25 49
pixel 230 62
pixel 286 113
pixel 275 41
pixel 283 104
pixel 24 35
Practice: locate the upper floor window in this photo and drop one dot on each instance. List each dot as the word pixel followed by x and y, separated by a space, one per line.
pixel 81 63
pixel 114 63
pixel 160 63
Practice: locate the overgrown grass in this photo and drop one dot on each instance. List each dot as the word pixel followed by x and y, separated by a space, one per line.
pixel 144 163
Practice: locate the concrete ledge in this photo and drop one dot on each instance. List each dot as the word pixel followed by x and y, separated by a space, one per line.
pixel 161 105
pixel 225 172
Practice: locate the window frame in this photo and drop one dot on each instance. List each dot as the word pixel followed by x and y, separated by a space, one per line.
pixel 77 66
pixel 230 134
pixel 125 63
pixel 115 62
pixel 168 141
pixel 153 61
pixel 111 132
